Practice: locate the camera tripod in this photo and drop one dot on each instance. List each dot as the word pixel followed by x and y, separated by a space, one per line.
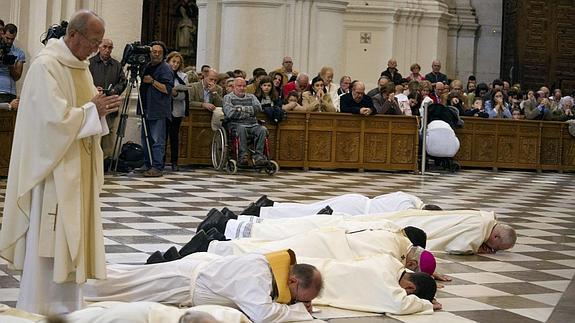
pixel 133 71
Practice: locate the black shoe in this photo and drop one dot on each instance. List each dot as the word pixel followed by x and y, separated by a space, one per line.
pixel 264 201
pixel 172 254
pixel 214 219
pixel 156 258
pixel 175 167
pixel 214 234
pixel 231 215
pixel 432 207
pixel 260 160
pixel 252 209
pixel 197 241
pixel 326 210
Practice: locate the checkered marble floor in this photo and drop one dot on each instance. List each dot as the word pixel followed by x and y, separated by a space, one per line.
pixel 530 283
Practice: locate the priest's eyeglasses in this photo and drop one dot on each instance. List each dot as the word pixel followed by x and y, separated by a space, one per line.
pixel 93 42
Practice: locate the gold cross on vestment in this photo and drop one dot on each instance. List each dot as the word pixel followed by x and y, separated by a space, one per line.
pixel 55 214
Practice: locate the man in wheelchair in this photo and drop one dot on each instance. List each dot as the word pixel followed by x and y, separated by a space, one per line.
pixel 241 109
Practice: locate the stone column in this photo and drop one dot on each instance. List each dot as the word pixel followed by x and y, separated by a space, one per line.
pixel 461 35
pixel 488 52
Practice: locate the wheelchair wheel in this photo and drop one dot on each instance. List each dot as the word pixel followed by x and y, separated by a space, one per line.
pixel 219 150
pixel 231 166
pixel 272 167
pixel 455 167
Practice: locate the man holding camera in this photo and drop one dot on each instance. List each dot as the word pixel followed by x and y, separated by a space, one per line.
pixel 11 64
pixel 155 94
pixel 109 77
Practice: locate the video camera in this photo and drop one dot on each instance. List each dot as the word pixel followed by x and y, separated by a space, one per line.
pixel 5 57
pixel 55 31
pixel 136 54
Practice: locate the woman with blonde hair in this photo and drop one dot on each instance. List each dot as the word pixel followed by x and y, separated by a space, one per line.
pixel 180 105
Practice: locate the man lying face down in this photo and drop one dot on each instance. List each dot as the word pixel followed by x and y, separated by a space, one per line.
pixel 267 288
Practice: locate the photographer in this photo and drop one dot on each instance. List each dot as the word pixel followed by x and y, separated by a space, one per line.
pixel 155 94
pixel 11 64
pixel 108 74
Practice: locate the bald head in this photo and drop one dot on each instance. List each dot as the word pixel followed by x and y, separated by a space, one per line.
pixel 105 49
pixel 84 34
pixel 197 317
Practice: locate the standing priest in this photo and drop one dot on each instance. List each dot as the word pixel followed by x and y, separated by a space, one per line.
pixel 51 227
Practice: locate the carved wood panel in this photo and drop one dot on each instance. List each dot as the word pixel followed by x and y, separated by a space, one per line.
pixel 291 145
pixel 401 146
pixel 347 146
pixel 375 148
pixel 320 143
pixel 506 148
pixel 538 43
pixel 528 150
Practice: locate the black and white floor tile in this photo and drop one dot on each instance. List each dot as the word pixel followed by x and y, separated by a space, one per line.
pixel 530 283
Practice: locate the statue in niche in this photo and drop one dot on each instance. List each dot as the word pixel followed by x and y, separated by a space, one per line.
pixel 186 29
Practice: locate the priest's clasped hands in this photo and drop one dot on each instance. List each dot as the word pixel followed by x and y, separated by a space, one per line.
pixel 106 104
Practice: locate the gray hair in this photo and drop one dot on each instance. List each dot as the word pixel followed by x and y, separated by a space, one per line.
pixel 565 100
pixel 79 20
pixel 197 317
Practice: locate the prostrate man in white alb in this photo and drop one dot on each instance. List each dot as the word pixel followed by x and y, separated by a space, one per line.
pixel 359 240
pixel 267 288
pixel 458 231
pixel 351 204
pixel 51 227
pixel 377 284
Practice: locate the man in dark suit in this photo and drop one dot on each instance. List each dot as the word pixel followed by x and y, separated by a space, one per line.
pixel 208 95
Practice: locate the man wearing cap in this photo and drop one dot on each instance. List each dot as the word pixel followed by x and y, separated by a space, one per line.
pixel 267 288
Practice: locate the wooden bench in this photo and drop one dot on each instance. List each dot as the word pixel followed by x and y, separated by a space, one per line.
pixel 7 121
pixel 319 140
pixel 516 144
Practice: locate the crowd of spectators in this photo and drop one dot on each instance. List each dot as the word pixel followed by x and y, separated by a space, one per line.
pixel 168 89
pixel 398 95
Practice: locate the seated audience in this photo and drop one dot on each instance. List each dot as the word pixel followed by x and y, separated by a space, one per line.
pixel 301 84
pixel 435 75
pixel 477 109
pixel 326 73
pixel 391 72
pixel 258 73
pixel 415 100
pixel 516 114
pixel 357 102
pixel 267 94
pixel 538 107
pixel 385 102
pixel 344 84
pixel 293 102
pixel 241 109
pixel 381 83
pixel 496 107
pixel 317 99
pixel 277 80
pixel 415 73
pixel 286 70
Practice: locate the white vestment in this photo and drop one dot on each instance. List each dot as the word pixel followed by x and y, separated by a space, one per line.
pixel 243 282
pixel 136 312
pixel 149 312
pixel 368 284
pixel 458 232
pixel 51 225
pixel 350 240
pixel 352 204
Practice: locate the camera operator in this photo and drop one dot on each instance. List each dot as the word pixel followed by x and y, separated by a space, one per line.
pixel 10 69
pixel 155 94
pixel 108 74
